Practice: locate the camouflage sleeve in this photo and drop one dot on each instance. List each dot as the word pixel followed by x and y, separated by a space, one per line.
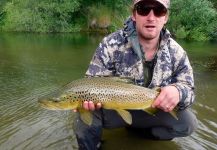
pixel 183 80
pixel 101 63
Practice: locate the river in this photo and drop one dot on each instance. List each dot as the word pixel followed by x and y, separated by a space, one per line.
pixel 33 65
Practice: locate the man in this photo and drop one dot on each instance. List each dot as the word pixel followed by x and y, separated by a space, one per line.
pixel 144 52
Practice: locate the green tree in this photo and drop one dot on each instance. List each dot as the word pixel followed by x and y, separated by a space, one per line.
pixel 2 12
pixel 60 15
pixel 214 3
pixel 41 15
pixel 188 19
pixel 192 19
pixel 2 3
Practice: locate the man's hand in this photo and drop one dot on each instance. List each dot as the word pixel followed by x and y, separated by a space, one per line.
pixel 89 105
pixel 167 99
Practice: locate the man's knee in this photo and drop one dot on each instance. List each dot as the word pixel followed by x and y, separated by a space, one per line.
pixel 188 125
pixel 165 133
pixel 184 126
pixel 184 130
pixel 88 137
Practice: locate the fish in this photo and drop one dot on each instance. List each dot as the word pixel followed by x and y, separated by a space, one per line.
pixel 116 93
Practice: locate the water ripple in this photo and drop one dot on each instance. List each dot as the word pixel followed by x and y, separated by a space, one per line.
pixel 24 125
pixel 204 138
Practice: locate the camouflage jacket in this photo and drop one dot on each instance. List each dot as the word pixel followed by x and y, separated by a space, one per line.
pixel 119 54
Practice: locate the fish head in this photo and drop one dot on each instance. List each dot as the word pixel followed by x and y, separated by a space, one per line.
pixel 64 101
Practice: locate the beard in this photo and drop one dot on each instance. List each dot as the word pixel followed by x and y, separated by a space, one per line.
pixel 148 35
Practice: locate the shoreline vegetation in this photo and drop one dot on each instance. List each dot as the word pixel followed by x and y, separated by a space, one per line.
pixel 190 20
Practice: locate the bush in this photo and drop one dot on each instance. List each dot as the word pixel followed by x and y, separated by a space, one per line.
pixel 105 15
pixel 214 3
pixel 196 19
pixel 61 15
pixel 181 32
pixel 41 15
pixel 2 13
pixel 99 16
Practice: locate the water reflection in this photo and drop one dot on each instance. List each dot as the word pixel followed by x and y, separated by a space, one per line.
pixel 33 65
pixel 210 63
pixel 27 126
pixel 213 64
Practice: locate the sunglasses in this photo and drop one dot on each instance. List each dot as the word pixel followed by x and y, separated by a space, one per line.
pixel 144 9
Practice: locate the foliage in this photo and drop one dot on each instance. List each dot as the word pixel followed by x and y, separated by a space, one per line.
pixel 188 19
pixel 114 5
pixel 106 14
pixel 60 15
pixel 214 3
pixel 99 16
pixel 2 13
pixel 182 33
pixel 121 9
pixel 2 3
pixel 102 17
pixel 192 19
pixel 41 15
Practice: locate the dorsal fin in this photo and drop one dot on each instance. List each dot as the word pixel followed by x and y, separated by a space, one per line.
pixel 121 79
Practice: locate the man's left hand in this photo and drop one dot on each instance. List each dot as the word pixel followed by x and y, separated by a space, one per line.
pixel 167 99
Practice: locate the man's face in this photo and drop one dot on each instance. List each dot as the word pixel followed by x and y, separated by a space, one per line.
pixel 150 18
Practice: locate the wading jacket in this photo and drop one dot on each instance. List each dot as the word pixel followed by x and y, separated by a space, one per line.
pixel 119 54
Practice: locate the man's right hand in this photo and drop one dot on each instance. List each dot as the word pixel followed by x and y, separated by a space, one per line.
pixel 89 105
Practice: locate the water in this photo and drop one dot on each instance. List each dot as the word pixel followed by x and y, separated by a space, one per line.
pixel 32 65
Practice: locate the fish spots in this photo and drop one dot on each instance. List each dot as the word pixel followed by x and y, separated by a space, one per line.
pixel 70 97
pixel 112 94
pixel 105 90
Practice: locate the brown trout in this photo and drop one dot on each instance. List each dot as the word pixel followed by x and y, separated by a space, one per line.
pixel 114 93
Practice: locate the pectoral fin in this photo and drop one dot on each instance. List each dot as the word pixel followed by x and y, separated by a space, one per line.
pixel 151 111
pixel 174 114
pixel 125 115
pixel 86 116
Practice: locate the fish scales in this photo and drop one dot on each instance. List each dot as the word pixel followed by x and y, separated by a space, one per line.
pixel 114 93
pixel 108 90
